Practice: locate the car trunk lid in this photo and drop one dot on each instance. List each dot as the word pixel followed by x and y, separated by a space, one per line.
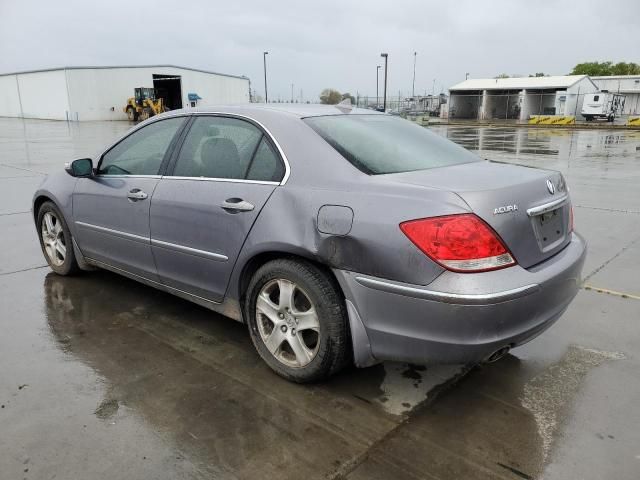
pixel 529 208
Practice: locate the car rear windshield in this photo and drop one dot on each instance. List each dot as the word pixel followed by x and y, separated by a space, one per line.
pixel 378 144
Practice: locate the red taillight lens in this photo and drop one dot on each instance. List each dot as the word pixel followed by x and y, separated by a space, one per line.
pixel 462 243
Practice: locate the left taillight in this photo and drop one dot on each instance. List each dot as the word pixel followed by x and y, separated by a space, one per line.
pixel 460 243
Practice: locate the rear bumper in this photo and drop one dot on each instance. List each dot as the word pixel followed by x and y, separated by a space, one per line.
pixel 459 318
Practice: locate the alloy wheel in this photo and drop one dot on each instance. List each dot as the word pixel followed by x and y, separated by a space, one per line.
pixel 53 239
pixel 288 323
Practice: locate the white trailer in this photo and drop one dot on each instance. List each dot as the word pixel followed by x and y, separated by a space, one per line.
pixel 602 105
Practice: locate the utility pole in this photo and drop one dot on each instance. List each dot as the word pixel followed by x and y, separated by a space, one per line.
pixel 266 95
pixel 384 101
pixel 466 76
pixel 413 87
pixel 292 93
pixel 433 88
pixel 377 94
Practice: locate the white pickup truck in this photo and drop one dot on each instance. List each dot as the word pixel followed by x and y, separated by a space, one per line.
pixel 602 105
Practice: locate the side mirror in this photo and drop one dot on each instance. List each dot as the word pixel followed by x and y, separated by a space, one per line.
pixel 82 168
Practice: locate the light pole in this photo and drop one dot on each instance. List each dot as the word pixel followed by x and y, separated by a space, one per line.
pixel 377 94
pixel 264 59
pixel 292 93
pixel 466 76
pixel 413 87
pixel 433 88
pixel 384 101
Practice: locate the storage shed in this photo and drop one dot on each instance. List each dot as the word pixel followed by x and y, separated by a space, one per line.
pixel 101 93
pixel 518 98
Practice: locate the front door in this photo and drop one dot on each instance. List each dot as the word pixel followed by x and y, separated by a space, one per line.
pixel 111 209
pixel 203 210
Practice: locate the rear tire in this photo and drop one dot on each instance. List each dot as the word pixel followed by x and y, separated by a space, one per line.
pixel 297 320
pixel 56 240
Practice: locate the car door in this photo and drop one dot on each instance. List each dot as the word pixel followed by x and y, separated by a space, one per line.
pixel 202 211
pixel 111 209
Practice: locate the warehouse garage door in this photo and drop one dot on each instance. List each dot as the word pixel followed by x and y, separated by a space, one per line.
pixel 169 88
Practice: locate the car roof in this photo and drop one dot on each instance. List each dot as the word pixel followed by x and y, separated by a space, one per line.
pixel 300 110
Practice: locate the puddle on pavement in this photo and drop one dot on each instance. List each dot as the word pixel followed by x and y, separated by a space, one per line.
pixel 504 418
pixel 195 376
pixel 549 394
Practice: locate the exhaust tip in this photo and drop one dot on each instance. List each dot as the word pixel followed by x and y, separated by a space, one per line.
pixel 498 354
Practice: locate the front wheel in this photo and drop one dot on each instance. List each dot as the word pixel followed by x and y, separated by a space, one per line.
pixel 55 240
pixel 132 115
pixel 297 320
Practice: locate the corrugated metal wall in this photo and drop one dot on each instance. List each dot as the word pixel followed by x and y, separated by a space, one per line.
pixel 85 94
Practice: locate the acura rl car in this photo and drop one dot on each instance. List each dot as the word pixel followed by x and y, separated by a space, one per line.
pixel 338 235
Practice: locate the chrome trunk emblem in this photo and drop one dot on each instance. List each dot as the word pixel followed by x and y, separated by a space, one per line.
pixel 550 187
pixel 505 209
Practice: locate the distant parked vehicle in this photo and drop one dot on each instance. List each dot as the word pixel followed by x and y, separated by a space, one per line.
pixel 602 105
pixel 338 235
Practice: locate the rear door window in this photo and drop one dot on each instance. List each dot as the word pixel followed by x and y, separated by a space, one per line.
pixel 266 165
pixel 227 148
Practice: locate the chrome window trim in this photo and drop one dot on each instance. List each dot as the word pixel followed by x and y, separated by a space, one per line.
pixel 212 179
pixel 448 297
pixel 117 233
pixel 287 167
pixel 218 257
pixel 547 207
pixel 127 176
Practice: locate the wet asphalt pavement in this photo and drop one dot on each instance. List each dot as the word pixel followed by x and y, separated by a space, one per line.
pixel 101 377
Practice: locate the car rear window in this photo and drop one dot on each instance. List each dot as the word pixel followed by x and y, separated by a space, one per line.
pixel 378 144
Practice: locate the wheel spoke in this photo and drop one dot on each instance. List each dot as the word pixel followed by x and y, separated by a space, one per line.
pixel 265 306
pixel 48 222
pixel 307 320
pixel 49 249
pixel 62 250
pixel 301 351
pixel 57 228
pixel 287 290
pixel 274 340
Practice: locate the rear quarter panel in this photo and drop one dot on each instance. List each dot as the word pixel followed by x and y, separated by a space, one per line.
pixel 375 245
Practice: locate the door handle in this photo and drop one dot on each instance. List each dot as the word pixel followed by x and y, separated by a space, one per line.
pixel 235 205
pixel 136 194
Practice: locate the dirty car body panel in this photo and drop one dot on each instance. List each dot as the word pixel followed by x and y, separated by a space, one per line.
pixel 402 304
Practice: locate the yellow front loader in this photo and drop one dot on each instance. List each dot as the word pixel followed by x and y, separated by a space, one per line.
pixel 144 105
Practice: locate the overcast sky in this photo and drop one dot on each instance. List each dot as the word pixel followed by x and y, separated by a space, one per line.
pixel 322 44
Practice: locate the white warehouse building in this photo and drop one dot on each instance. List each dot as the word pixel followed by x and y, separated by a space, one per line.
pixel 101 93
pixel 518 98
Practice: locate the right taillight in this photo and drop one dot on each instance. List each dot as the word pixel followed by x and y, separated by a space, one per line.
pixel 461 243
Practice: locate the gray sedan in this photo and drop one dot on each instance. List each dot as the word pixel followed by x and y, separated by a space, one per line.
pixel 337 235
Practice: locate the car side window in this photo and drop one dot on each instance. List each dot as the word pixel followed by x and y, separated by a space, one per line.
pixel 141 153
pixel 265 164
pixel 222 147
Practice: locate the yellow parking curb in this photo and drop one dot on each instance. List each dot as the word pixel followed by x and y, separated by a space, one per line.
pixel 610 292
